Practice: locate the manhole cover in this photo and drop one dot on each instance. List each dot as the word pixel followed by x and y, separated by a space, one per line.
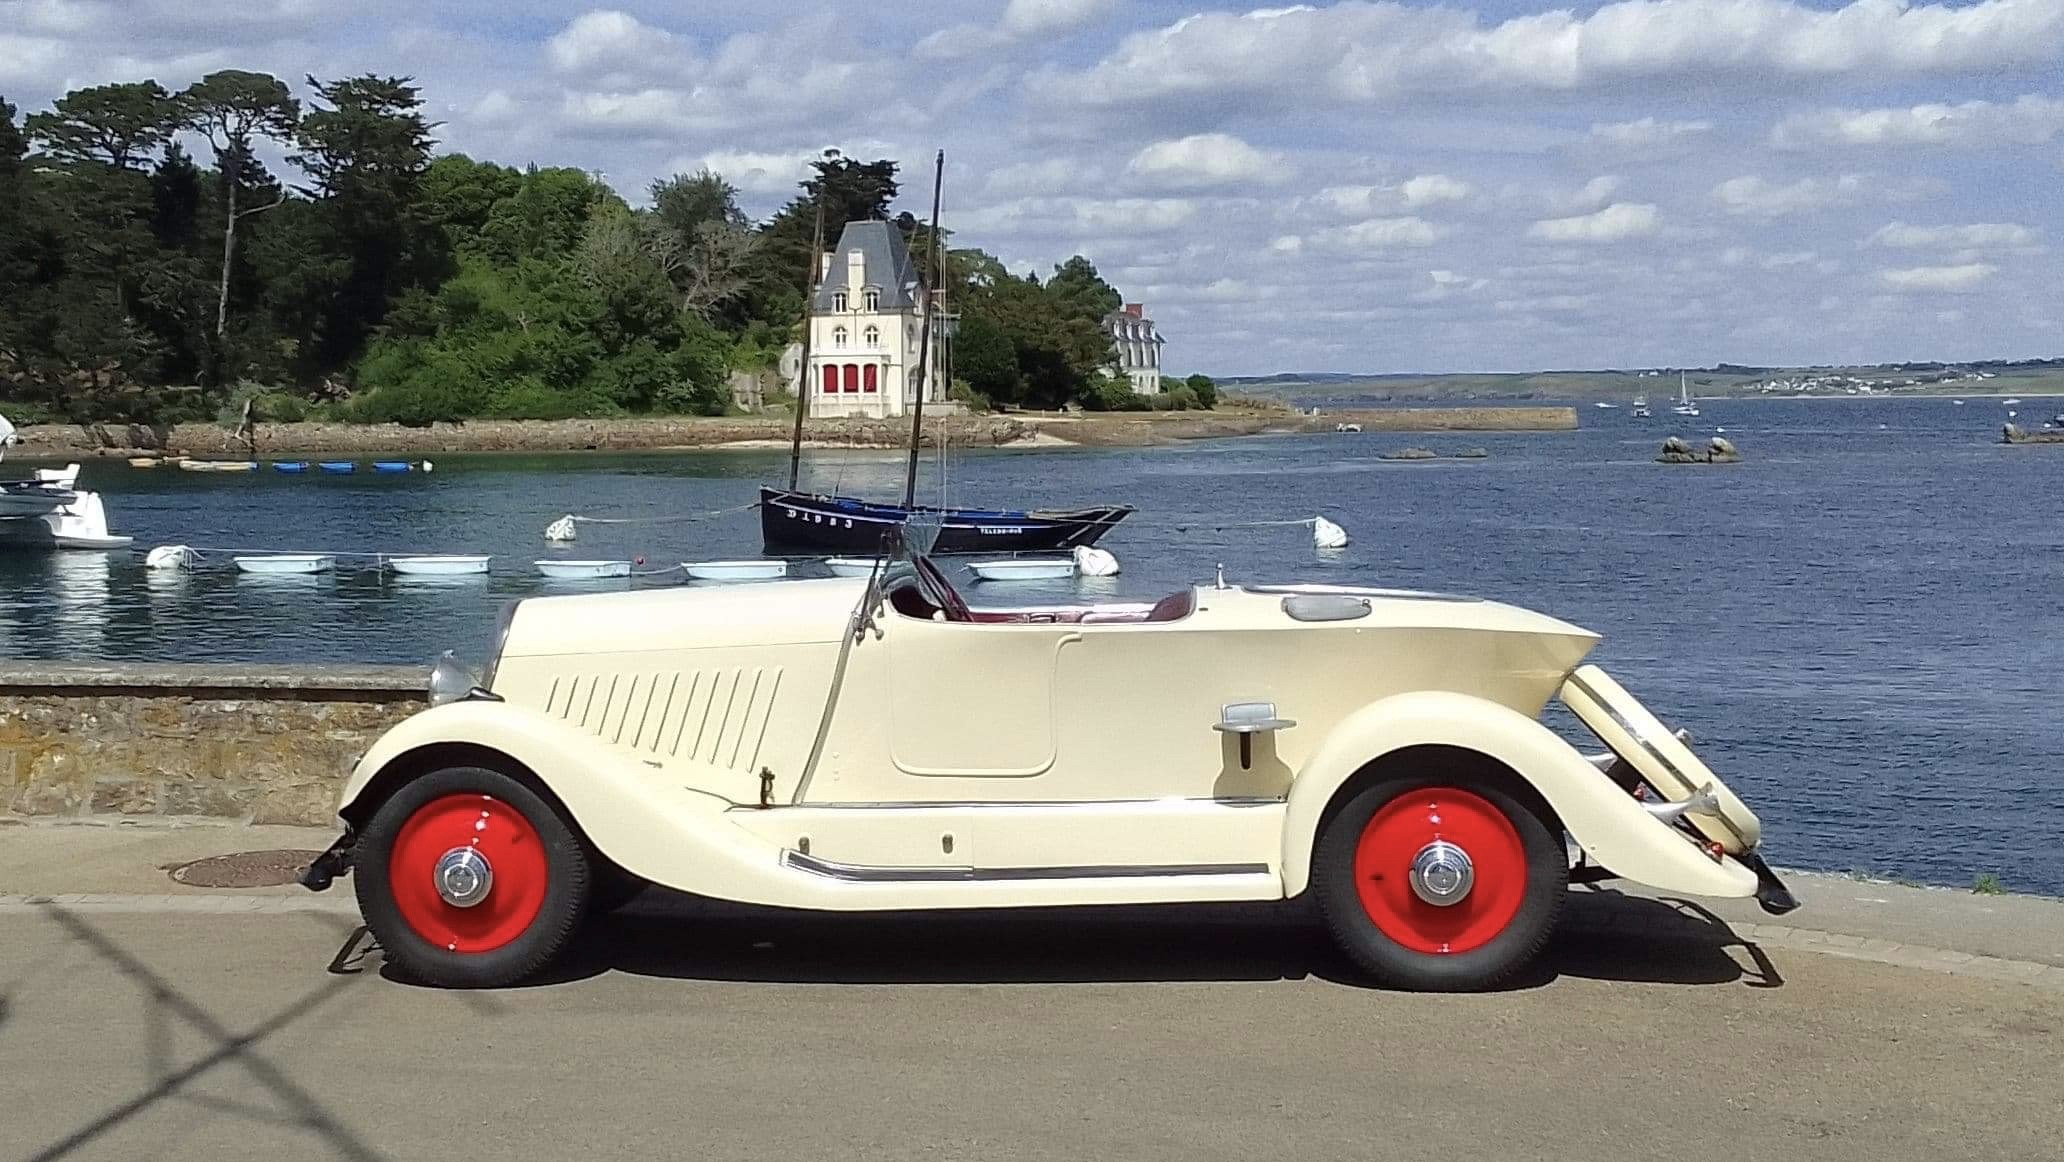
pixel 243 869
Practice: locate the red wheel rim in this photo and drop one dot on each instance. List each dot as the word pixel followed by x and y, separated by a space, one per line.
pixel 1403 827
pixel 503 837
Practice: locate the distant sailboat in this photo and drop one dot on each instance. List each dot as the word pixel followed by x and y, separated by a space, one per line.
pixel 1603 404
pixel 1641 411
pixel 1684 405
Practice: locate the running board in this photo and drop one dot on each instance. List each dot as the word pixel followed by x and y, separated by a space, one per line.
pixel 873 874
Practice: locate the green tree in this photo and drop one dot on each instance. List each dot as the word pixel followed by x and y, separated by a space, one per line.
pixel 1206 389
pixel 545 217
pixel 232 109
pixel 1081 292
pixel 116 125
pixel 688 202
pixel 459 194
pixel 984 357
pixel 366 145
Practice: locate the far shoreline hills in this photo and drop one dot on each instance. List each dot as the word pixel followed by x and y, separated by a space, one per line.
pixel 1659 385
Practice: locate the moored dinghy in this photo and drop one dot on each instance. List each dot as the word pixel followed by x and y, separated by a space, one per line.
pixel 583 570
pixel 736 570
pixel 850 566
pixel 285 563
pixel 338 466
pixel 439 565
pixel 290 466
pixel 1022 569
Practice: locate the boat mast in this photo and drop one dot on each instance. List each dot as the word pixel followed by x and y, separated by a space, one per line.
pixel 802 394
pixel 924 341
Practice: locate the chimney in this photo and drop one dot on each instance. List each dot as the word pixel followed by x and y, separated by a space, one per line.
pixel 1136 310
pixel 824 267
pixel 856 272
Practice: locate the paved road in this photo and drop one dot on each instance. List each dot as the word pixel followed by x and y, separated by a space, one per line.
pixel 687 1032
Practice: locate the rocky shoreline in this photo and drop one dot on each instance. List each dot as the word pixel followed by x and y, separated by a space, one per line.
pixel 1102 429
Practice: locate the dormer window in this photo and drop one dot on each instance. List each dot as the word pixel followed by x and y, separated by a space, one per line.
pixel 838 300
pixel 873 299
pixel 838 336
pixel 872 335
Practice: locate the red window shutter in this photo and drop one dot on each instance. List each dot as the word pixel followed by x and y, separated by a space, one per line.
pixel 870 382
pixel 830 379
pixel 852 377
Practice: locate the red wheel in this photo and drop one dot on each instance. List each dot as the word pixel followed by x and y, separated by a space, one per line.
pixel 1440 870
pixel 468 873
pixel 1448 881
pixel 469 877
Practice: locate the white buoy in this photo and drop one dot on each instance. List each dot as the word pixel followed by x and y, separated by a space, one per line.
pixel 429 467
pixel 560 530
pixel 169 557
pixel 1327 535
pixel 1094 562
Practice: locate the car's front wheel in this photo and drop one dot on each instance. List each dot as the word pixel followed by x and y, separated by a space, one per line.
pixel 1445 882
pixel 469 879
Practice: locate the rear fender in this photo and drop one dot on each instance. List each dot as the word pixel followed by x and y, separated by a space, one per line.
pixel 1604 820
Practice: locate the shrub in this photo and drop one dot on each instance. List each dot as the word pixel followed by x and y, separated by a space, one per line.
pixel 1206 390
pixel 1113 394
pixel 1181 399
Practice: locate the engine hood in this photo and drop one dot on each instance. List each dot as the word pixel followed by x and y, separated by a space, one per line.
pixel 764 614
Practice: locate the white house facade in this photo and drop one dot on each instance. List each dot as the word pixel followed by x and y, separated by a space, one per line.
pixel 864 329
pixel 1138 345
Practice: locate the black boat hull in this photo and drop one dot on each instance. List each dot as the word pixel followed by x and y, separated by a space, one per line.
pixel 800 522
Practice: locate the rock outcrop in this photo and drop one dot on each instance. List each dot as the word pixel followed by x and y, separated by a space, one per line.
pixel 1718 450
pixel 2016 434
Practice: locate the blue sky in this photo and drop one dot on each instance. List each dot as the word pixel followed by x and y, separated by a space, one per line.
pixel 1348 186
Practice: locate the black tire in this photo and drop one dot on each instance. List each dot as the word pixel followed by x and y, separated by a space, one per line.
pixel 566 892
pixel 1389 962
pixel 611 888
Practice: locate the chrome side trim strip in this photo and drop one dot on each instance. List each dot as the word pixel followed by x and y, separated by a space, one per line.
pixel 1076 804
pixel 859 873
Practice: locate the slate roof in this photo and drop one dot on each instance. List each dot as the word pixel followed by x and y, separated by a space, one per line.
pixel 888 266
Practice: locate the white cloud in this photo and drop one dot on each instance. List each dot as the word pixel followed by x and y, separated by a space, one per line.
pixel 1022 20
pixel 617 46
pixel 1202 161
pixel 1763 198
pixel 2030 120
pixel 1648 133
pixel 1386 234
pixel 1615 223
pixel 1592 195
pixel 1414 193
pixel 1377 53
pixel 756 173
pixel 1052 175
pixel 1974 236
pixel 1432 189
pixel 1074 216
pixel 1447 285
pixel 1927 279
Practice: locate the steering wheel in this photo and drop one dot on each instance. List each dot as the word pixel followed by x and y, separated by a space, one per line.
pixel 942 594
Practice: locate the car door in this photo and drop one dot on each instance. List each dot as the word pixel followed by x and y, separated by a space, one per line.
pixel 972 698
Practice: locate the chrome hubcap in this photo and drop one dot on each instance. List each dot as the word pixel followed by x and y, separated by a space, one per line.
pixel 463 877
pixel 1442 874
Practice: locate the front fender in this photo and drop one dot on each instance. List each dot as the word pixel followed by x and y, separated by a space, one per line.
pixel 639 816
pixel 1604 820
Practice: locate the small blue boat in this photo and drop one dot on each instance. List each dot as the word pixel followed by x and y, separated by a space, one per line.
pixel 290 465
pixel 391 466
pixel 338 466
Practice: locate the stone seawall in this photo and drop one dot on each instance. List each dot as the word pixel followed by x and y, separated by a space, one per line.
pixel 1107 429
pixel 261 744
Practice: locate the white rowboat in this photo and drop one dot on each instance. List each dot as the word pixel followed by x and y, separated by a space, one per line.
pixel 583 570
pixel 1022 570
pixel 736 570
pixel 438 566
pixel 276 563
pixel 850 566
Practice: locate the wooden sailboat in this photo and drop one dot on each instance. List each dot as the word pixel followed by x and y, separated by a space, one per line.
pixel 804 522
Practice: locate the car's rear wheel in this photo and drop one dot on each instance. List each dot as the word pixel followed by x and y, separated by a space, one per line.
pixel 1445 882
pixel 469 879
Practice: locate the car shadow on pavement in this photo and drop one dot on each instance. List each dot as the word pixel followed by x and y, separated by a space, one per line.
pixel 1604 936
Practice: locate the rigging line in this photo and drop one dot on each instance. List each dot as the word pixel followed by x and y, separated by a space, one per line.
pixel 659 520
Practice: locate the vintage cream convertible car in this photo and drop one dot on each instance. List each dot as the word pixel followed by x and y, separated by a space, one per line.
pixel 878 744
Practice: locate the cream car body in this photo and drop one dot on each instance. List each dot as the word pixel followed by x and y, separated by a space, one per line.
pixel 837 744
